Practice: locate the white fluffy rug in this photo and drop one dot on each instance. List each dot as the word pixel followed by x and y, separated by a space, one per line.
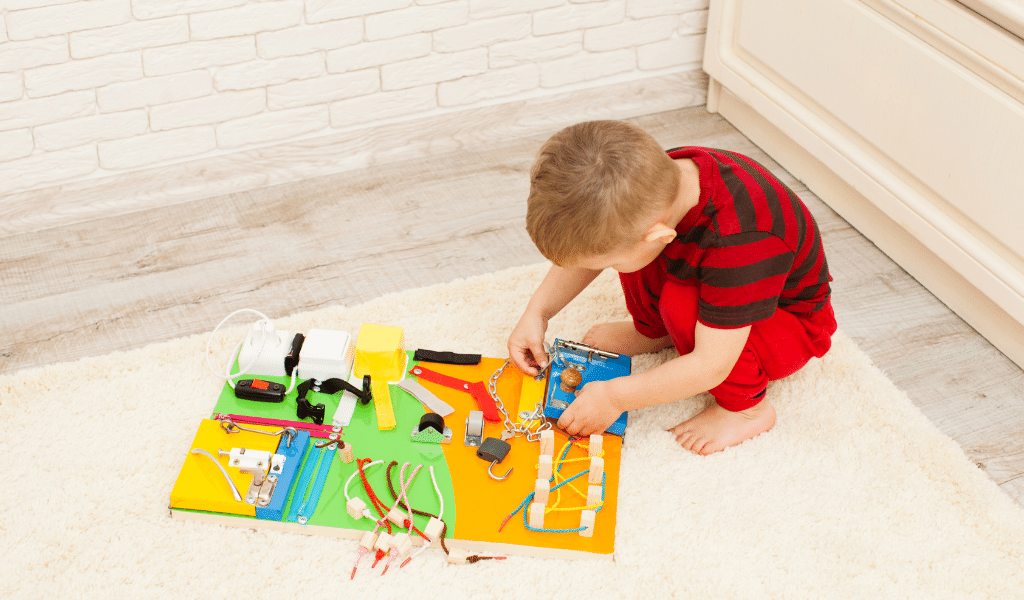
pixel 853 494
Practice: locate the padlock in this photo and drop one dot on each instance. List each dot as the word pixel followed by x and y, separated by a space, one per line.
pixel 493 450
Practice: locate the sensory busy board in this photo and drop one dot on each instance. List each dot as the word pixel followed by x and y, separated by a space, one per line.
pixel 367 451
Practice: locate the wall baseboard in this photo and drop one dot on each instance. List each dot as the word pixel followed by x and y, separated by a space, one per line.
pixel 130 192
pixel 963 298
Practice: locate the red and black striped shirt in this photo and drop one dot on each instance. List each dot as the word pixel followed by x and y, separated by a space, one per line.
pixel 750 241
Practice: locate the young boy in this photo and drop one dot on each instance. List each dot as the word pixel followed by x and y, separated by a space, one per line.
pixel 715 256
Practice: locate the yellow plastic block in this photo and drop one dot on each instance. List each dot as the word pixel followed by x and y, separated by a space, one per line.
pixel 380 352
pixel 201 485
pixel 382 403
pixel 531 395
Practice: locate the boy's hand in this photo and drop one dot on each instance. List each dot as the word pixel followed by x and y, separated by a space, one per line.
pixel 526 344
pixel 593 410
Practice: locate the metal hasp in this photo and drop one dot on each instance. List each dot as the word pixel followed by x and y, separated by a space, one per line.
pixel 264 467
pixel 494 451
pixel 592 365
pixel 474 428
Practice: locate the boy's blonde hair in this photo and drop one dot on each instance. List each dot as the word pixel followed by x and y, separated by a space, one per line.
pixel 592 187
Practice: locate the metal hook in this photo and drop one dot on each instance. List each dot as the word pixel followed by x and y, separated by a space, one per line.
pixel 495 477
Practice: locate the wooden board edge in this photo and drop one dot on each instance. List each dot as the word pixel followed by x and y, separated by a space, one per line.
pixel 355 534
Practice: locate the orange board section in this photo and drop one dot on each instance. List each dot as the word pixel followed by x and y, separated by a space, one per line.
pixel 484 503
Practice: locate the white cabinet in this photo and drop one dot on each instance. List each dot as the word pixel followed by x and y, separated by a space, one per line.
pixel 907 117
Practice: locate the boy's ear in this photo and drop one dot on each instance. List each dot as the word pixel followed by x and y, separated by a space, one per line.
pixel 659 232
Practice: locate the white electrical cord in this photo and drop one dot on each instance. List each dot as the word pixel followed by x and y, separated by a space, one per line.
pixel 227 376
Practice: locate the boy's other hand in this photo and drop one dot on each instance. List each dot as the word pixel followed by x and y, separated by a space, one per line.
pixel 593 410
pixel 526 344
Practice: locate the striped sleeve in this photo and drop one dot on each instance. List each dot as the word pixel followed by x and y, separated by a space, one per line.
pixel 742 277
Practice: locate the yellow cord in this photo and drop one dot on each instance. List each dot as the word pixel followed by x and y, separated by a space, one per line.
pixel 557 478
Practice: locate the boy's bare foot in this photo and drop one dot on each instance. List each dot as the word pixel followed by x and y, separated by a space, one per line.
pixel 715 428
pixel 622 337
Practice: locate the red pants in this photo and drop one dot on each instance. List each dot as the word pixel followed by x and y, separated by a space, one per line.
pixel 777 347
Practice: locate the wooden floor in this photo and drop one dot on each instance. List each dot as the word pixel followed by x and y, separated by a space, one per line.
pixel 124 281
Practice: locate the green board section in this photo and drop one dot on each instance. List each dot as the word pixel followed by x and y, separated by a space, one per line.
pixel 367 442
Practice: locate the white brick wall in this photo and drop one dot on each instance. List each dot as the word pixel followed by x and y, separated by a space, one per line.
pixel 243 20
pixel 78 132
pixel 198 55
pixel 15 56
pixel 130 36
pixel 209 110
pixel 96 86
pixel 77 16
pixel 15 144
pixel 154 90
pixel 11 87
pixel 83 74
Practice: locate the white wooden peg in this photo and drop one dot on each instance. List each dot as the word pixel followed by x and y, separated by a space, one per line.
pixel 544 467
pixel 596 470
pixel 596 444
pixel 537 515
pixel 587 518
pixel 547 442
pixel 541 491
pixel 593 495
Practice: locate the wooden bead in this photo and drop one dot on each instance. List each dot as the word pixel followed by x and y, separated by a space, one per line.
pixel 345 453
pixel 433 528
pixel 368 540
pixel 402 543
pixel 355 507
pixel 397 516
pixel 570 379
pixel 383 541
pixel 457 556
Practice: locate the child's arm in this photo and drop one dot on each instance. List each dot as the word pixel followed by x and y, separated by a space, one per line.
pixel 599 403
pixel 560 286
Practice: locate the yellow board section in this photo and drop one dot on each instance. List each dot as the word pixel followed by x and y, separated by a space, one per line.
pixel 201 485
pixel 380 352
pixel 382 404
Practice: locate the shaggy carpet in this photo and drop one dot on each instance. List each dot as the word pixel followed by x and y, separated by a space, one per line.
pixel 853 494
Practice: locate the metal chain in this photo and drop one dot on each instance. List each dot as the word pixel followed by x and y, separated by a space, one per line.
pixel 517 429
